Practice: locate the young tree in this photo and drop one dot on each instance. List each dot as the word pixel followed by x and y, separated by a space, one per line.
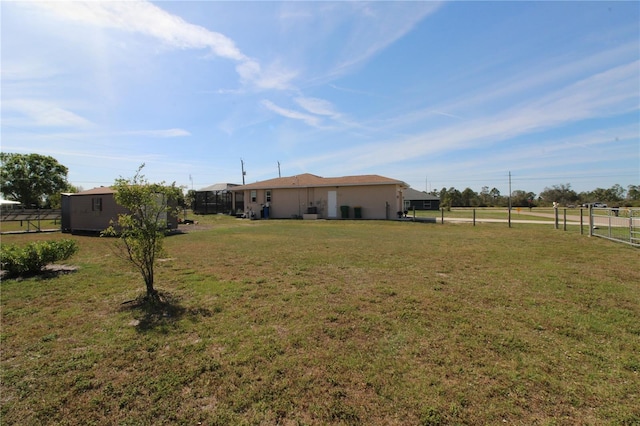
pixel 142 229
pixel 31 178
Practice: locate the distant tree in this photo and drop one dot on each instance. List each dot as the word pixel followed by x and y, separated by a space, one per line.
pixel 613 195
pixel 31 178
pixel 469 198
pixel 562 194
pixel 54 201
pixel 520 198
pixel 443 198
pixel 485 197
pixel 142 229
pixel 616 193
pixel 495 197
pixel 633 192
pixel 450 198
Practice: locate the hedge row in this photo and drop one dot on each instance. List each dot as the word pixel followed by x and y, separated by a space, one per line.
pixel 32 258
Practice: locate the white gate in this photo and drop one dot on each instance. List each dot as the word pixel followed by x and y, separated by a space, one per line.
pixel 619 224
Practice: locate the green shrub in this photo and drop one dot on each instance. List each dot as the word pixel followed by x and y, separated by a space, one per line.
pixel 32 258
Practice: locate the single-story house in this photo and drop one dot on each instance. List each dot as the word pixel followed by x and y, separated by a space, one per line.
pixel 92 211
pixel 217 198
pixel 420 200
pixel 311 196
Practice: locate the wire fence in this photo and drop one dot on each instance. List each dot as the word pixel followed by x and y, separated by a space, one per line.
pixel 618 224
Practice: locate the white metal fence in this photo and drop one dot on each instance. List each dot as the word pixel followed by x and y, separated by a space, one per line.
pixel 619 224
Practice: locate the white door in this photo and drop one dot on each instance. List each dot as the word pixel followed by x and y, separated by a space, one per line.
pixel 332 204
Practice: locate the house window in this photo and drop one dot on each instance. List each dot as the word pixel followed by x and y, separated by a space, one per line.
pixel 253 196
pixel 426 204
pixel 267 195
pixel 96 204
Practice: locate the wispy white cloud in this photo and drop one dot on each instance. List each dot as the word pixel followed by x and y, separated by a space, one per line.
pixel 364 28
pixel 543 76
pixel 167 133
pixel 274 77
pixel 296 115
pixel 317 106
pixel 30 112
pixel 26 70
pixel 145 18
pixel 377 26
pixel 611 92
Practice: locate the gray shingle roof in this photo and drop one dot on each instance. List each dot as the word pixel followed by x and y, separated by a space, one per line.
pixel 218 187
pixel 412 194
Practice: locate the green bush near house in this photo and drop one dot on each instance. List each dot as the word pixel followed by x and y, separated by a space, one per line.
pixel 32 258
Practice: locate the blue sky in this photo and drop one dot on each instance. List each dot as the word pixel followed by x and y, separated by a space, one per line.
pixel 435 94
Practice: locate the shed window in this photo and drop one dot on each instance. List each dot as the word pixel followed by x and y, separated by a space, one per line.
pixel 96 204
pixel 426 204
pixel 267 195
pixel 253 196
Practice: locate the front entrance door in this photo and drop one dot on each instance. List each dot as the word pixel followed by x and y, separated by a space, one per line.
pixel 332 204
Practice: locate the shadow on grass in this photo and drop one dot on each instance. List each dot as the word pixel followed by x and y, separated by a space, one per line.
pixel 161 312
pixel 48 272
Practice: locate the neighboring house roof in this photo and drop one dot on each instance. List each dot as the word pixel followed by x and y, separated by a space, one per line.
pixel 308 180
pixel 412 194
pixel 218 187
pixel 103 190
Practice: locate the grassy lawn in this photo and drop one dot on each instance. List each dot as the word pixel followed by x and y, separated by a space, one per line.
pixel 331 322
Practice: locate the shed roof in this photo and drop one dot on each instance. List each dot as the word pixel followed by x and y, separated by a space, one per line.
pixel 102 190
pixel 308 180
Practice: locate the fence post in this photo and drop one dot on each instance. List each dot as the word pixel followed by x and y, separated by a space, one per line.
pixel 442 216
pixel 590 221
pixel 581 230
pixel 564 218
pixel 474 217
pixel 555 211
pixel 609 214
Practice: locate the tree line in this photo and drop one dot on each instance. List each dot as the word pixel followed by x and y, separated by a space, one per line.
pixel 37 181
pixel 561 194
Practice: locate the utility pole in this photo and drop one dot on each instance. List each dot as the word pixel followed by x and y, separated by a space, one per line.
pixel 279 175
pixel 243 172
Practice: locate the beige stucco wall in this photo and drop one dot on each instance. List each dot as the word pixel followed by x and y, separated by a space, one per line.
pixel 290 202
